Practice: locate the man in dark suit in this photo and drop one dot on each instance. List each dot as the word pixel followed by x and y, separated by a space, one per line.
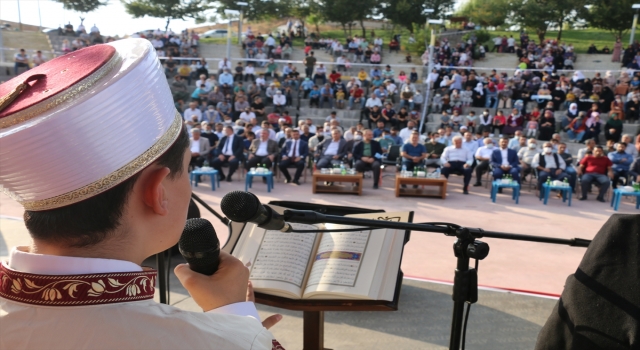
pixel 262 151
pixel 364 154
pixel 331 150
pixel 295 153
pixel 505 161
pixel 230 149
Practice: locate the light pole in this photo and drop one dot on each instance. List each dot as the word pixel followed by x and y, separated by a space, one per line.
pixel 426 25
pixel 635 22
pixel 432 45
pixel 242 4
pixel 229 13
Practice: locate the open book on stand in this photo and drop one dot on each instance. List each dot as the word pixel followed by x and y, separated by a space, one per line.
pixel 361 265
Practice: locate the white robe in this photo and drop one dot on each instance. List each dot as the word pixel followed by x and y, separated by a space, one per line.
pixel 143 324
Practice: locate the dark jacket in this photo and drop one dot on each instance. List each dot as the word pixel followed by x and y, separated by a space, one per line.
pixel 237 146
pixel 359 148
pixel 512 158
pixel 303 148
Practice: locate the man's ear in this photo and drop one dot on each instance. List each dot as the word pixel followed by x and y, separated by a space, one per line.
pixel 154 191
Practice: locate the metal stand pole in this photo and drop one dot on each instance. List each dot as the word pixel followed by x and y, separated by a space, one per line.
pixel 633 28
pixel 162 277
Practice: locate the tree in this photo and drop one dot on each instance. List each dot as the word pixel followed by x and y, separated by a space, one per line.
pixel 82 5
pixel 346 12
pixel 169 9
pixel 487 13
pixel 256 9
pixel 542 14
pixel 406 13
pixel 616 16
pixel 315 19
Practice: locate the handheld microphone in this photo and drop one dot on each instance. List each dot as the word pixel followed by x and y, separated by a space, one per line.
pixel 199 246
pixel 242 206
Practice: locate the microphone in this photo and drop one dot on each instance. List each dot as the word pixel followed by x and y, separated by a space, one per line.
pixel 199 246
pixel 242 206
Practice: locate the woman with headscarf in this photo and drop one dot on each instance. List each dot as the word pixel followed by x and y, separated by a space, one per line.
pixel 617 106
pixel 558 97
pixel 514 122
pixel 547 126
pixel 606 98
pixel 610 80
pixel 593 126
pixel 613 128
pixel 478 96
pixel 632 109
pixel 577 128
pixel 577 76
pixel 617 51
pixel 571 114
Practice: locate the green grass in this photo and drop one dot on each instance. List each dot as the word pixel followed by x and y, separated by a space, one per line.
pixel 581 39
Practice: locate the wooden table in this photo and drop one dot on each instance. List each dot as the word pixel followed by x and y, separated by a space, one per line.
pixel 354 181
pixel 420 181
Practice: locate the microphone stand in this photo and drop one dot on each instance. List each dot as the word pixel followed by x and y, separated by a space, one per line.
pixel 466 247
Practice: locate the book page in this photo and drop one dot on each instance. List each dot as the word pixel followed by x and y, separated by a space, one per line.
pixel 356 265
pixel 277 260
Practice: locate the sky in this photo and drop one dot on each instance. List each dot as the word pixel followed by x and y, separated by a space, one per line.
pixel 111 19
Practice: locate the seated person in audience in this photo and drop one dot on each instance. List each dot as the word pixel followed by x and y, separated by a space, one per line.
pixel 505 161
pixel 375 116
pixel 283 136
pixel 200 148
pixel 634 170
pixel 413 152
pixel 445 119
pixel 483 159
pixel 305 133
pixel 248 139
pixel 568 161
pixel 377 132
pixel 294 153
pixel 388 115
pixel 385 141
pixel 469 142
pixel 526 156
pixel 549 165
pixel 457 159
pixel 595 168
pixel 314 141
pixel 621 163
pixel 365 155
pixel 230 150
pixel 395 136
pixel 405 133
pixel 263 150
pixel 583 152
pixel 434 150
pixel 332 150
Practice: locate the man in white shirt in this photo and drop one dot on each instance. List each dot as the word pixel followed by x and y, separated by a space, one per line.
pixel 549 165
pixel 263 150
pixel 223 65
pixel 483 160
pixel 312 128
pixel 270 43
pixel 204 81
pixel 21 61
pixel 265 125
pixel 457 159
pixel 247 115
pixel 405 133
pixel 332 116
pixel 331 150
pixel 468 142
pixel 279 100
pixel 191 111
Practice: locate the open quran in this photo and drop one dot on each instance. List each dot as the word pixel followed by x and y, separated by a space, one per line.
pixel 324 265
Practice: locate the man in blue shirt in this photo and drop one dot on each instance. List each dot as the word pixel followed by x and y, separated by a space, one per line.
pixel 378 131
pixel 375 72
pixel 621 163
pixel 413 152
pixel 306 86
pixel 395 137
pixel 326 95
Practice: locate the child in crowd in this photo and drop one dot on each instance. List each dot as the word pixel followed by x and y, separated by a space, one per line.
pixel 466 97
pixel 340 98
pixel 413 76
pixel 471 121
pixel 436 103
pixel 445 120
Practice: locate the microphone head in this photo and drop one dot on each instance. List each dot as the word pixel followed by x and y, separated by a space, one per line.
pixel 240 206
pixel 199 246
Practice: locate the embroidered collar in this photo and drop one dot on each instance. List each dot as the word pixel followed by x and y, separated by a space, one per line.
pixel 76 290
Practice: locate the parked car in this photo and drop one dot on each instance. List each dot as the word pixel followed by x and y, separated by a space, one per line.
pixel 215 33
